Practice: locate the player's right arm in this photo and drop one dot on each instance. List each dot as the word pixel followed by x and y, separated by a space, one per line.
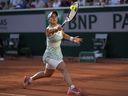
pixel 51 31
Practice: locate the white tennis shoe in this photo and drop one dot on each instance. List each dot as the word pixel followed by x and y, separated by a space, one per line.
pixel 73 91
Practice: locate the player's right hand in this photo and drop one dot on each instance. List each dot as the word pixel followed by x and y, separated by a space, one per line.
pixel 60 28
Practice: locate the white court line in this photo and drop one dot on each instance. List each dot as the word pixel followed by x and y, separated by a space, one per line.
pixel 8 94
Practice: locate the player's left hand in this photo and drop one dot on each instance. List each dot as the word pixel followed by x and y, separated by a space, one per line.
pixel 77 39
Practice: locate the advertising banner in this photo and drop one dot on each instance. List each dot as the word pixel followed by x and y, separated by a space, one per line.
pixel 83 22
pixel 22 23
pixel 99 22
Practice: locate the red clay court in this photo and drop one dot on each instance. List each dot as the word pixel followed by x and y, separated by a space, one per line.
pixel 104 78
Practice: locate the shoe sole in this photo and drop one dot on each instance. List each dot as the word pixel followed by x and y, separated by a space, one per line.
pixel 74 94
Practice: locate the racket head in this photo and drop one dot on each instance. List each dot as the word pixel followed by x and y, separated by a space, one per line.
pixel 72 13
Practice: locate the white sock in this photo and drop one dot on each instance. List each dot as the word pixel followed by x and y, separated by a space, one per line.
pixel 72 86
pixel 30 80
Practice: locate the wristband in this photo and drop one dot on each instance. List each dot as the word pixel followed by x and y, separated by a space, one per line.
pixel 71 38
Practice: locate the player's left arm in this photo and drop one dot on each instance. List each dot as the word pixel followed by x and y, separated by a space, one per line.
pixel 71 38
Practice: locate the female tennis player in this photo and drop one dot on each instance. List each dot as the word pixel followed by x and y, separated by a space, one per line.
pixel 53 57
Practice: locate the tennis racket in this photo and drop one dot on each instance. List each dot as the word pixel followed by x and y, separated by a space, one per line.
pixel 71 14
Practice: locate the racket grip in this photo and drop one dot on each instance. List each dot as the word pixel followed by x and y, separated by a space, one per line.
pixel 63 24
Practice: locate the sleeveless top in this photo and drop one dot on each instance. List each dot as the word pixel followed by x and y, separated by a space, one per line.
pixel 53 49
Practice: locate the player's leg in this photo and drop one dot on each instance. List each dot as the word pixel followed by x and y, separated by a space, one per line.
pixel 72 88
pixel 63 69
pixel 42 74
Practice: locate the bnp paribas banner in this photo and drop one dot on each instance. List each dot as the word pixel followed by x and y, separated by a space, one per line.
pixel 99 22
pixel 83 22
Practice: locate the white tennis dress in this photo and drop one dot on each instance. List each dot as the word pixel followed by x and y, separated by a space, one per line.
pixel 53 54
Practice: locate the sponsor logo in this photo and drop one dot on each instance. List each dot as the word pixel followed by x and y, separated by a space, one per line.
pixel 3 24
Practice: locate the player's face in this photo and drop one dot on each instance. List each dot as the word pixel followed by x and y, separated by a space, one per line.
pixel 53 19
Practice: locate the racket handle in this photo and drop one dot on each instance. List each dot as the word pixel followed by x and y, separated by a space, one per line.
pixel 63 24
pixel 66 20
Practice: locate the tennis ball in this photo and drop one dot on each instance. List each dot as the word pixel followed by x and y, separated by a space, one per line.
pixel 73 8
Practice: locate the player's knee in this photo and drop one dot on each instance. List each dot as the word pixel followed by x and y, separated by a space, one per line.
pixel 62 70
